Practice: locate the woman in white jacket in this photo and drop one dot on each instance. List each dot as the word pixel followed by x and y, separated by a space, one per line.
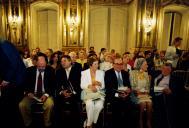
pixel 92 84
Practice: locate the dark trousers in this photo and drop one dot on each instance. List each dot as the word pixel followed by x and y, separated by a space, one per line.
pixel 164 112
pixel 9 112
pixel 68 113
pixel 122 113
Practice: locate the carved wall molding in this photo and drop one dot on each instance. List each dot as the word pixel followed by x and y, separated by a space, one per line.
pixel 179 2
pixel 110 2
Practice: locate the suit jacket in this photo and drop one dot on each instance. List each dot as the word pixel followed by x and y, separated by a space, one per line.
pixel 175 84
pixel 12 67
pixel 86 66
pixel 86 78
pixel 74 79
pixel 173 103
pixel 48 80
pixel 77 65
pixel 111 83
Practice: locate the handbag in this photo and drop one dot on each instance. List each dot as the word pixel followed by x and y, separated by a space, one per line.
pixel 89 94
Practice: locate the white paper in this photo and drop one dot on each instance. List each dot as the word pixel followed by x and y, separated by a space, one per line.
pixel 37 99
pixel 158 88
pixel 122 88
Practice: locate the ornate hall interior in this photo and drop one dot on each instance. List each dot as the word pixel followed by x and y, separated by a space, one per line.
pixel 59 28
pixel 123 25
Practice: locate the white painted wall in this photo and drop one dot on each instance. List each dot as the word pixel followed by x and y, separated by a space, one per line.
pixel 108 28
pixel 98 27
pixel 166 31
pixel 132 26
pixel 118 29
pixel 184 31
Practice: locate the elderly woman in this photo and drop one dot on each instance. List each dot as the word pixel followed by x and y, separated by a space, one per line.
pixel 140 84
pixel 107 64
pixel 92 83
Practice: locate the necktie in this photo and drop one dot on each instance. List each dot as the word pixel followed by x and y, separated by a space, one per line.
pixel 158 80
pixel 39 85
pixel 120 81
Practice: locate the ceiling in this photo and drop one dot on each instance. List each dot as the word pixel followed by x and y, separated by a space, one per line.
pixel 90 1
pixel 176 8
pixel 105 2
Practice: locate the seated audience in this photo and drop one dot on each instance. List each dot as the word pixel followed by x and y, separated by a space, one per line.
pixel 107 64
pixel 54 61
pixel 101 54
pixel 82 58
pixel 73 56
pixel 126 59
pixel 159 60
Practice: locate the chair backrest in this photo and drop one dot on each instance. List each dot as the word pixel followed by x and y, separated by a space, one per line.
pixel 182 75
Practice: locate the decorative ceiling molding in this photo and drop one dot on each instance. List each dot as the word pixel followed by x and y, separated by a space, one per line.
pixel 179 2
pixel 110 2
pixel 29 1
pixel 96 2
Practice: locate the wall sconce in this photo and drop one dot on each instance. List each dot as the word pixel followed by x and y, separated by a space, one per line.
pixel 148 24
pixel 73 21
pixel 14 20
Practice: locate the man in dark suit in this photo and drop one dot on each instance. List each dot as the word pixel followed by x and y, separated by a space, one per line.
pixel 12 71
pixel 168 93
pixel 117 93
pixel 40 84
pixel 68 89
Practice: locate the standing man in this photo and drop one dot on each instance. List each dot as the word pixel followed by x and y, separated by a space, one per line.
pixel 173 53
pixel 12 71
pixel 40 83
pixel 68 89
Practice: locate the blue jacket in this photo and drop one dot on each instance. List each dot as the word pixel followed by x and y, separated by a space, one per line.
pixel 12 67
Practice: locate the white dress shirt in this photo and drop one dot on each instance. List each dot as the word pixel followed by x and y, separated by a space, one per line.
pixel 43 89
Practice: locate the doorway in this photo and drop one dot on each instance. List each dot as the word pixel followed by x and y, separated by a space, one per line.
pixel 44 26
